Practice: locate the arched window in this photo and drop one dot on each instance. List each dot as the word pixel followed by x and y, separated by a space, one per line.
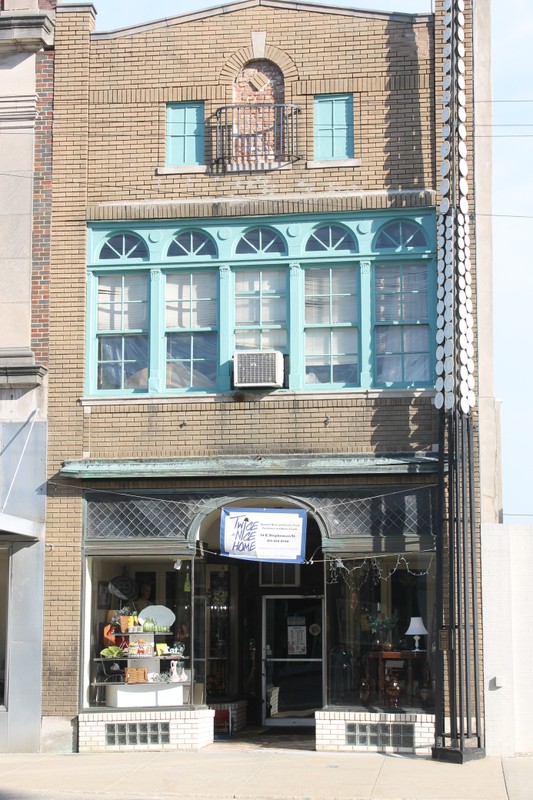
pixel 261 241
pixel 258 114
pixel 192 243
pixel 331 237
pixel 400 235
pixel 124 245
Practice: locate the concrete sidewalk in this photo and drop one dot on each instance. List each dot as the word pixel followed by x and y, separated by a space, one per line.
pixel 222 772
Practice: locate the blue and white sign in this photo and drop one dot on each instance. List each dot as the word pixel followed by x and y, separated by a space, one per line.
pixel 267 534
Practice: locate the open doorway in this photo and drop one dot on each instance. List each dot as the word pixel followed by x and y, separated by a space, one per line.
pixel 292 672
pixel 265 637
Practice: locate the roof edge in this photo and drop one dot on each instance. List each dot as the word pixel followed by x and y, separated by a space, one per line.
pixel 240 5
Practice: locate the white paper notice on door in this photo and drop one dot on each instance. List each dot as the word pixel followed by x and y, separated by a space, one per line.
pixel 296 638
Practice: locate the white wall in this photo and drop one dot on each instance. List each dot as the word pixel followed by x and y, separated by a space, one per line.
pixel 507 560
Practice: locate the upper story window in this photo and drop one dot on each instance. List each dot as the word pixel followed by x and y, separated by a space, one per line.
pixel 191 330
pixel 400 234
pixel 261 241
pixel 169 306
pixel 192 243
pixel 122 332
pixel 124 245
pixel 402 324
pixel 331 237
pixel 331 333
pixel 185 134
pixel 261 309
pixel 333 127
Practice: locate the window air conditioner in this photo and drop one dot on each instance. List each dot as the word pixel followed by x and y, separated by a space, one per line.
pixel 258 369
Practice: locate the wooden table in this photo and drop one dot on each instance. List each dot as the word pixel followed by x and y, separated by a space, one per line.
pixel 379 658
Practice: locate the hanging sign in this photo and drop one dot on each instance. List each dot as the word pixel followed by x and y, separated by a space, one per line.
pixel 276 534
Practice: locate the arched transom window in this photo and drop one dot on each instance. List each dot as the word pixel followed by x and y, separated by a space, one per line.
pixel 192 243
pixel 124 245
pixel 399 235
pixel 331 237
pixel 261 241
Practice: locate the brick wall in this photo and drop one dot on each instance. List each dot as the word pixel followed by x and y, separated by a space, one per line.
pixel 42 198
pixel 389 69
pixel 109 140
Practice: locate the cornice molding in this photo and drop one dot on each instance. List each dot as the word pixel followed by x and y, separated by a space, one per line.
pixel 26 33
pixel 260 206
pixel 303 464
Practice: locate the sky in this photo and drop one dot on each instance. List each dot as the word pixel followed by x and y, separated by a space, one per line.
pixel 512 34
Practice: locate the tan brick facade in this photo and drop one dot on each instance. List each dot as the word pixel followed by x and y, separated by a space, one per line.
pixel 111 92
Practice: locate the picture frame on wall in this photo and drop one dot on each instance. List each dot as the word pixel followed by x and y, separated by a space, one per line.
pixel 102 595
pixel 146 589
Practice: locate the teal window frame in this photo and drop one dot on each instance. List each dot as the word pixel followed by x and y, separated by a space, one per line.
pixel 332 318
pixel 261 300
pixel 188 365
pixel 339 240
pixel 122 348
pixel 333 127
pixel 401 315
pixel 185 134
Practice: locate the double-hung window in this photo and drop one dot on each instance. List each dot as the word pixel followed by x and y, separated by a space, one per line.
pixel 331 333
pixel 191 334
pixel 185 134
pixel 122 331
pixel 333 127
pixel 401 330
pixel 261 309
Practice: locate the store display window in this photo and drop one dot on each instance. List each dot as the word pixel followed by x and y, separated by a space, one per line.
pixel 381 640
pixel 141 631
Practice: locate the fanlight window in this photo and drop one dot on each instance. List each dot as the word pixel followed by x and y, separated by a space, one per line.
pixel 124 245
pixel 192 243
pixel 261 241
pixel 399 235
pixel 331 237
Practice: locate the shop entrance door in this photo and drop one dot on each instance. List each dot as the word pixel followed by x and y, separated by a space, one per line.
pixel 292 674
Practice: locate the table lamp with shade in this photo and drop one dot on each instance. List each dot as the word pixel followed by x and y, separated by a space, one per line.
pixel 416 629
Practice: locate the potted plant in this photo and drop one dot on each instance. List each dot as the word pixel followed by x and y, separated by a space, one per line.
pixel 381 626
pixel 120 618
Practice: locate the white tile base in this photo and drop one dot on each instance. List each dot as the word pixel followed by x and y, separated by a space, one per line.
pixel 366 732
pixel 185 729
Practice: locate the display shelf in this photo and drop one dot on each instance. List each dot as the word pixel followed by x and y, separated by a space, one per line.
pixel 126 657
pixel 120 693
pixel 150 695
pixel 151 683
pixel 143 633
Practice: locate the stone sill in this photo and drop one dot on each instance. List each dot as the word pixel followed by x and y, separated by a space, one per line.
pixel 335 163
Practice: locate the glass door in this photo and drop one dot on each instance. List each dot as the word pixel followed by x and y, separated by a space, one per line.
pixel 292 660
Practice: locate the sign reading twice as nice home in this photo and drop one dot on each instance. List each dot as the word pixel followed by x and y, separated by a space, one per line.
pixel 276 534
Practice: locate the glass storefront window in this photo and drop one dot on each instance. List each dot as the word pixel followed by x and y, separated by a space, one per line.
pixel 372 662
pixel 139 638
pixel 4 593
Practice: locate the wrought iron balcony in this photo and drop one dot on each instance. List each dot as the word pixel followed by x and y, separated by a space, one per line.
pixel 258 136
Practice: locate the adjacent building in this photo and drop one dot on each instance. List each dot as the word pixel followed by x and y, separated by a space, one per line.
pixel 26 61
